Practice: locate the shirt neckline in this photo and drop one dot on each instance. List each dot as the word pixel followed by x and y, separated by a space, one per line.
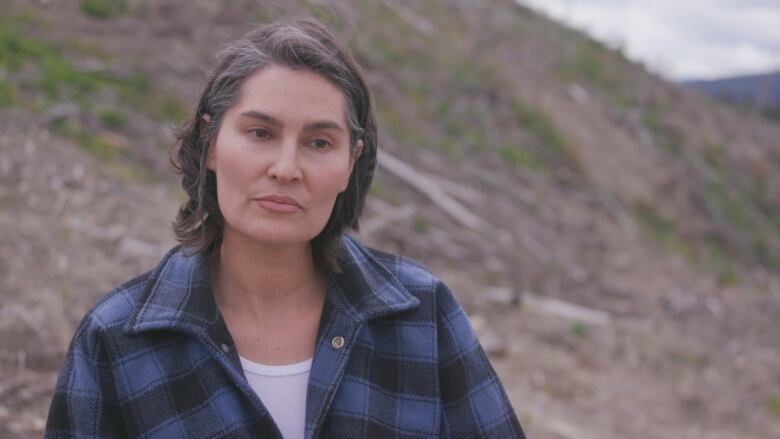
pixel 275 370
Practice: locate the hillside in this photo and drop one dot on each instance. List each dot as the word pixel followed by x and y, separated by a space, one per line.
pixel 587 180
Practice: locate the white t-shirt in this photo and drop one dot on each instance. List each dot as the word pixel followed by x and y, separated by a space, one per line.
pixel 283 392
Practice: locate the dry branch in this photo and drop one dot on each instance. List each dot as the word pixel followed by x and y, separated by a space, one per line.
pixel 566 310
pixel 430 188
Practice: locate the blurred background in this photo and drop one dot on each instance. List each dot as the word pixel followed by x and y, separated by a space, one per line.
pixel 598 182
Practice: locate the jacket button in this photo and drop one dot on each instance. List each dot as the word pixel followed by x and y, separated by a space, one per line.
pixel 337 342
pixel 225 348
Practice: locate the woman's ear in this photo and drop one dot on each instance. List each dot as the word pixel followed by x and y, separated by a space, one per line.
pixel 353 157
pixel 204 120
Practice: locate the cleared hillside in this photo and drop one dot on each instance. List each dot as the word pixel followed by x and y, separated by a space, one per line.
pixel 586 180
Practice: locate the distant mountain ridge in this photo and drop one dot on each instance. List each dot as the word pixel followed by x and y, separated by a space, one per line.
pixel 760 91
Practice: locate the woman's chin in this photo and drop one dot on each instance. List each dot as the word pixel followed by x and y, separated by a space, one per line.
pixel 276 236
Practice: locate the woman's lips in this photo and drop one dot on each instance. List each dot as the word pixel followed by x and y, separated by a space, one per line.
pixel 279 204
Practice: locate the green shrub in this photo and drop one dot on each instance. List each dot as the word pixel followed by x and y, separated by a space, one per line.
pixel 540 126
pixel 666 137
pixel 55 72
pixel 663 230
pixel 585 63
pixel 168 107
pixel 420 224
pixel 113 119
pixel 102 9
pixel 517 156
pixel 772 406
pixel 75 131
pixel 7 93
pixel 579 329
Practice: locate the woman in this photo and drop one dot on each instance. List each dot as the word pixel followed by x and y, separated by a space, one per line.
pixel 268 321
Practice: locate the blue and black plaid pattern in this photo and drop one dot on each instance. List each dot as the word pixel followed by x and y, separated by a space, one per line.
pixel 154 359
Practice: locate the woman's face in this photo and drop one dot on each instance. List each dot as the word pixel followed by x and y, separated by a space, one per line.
pixel 282 156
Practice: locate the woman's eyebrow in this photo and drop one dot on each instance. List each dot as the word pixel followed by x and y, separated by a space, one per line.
pixel 312 126
pixel 261 116
pixel 322 125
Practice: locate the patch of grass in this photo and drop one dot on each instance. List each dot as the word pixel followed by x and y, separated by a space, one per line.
pixel 666 137
pixel 380 189
pixel 8 93
pixel 65 294
pixel 385 51
pixel 324 12
pixel 764 251
pixel 138 92
pixel 15 49
pixel 102 9
pixel 772 406
pixel 715 255
pixel 690 359
pixel 398 128
pixel 663 230
pixel 28 17
pixel 85 47
pixel 135 89
pixel 541 126
pixel 58 74
pixel 469 73
pixel 515 155
pixel 741 206
pixel 59 79
pixel 491 278
pixel 728 277
pixel 720 198
pixel 478 140
pixel 75 131
pixel 136 173
pixel 553 151
pixel 113 118
pixel 392 122
pixel 169 107
pixel 585 63
pixel 6 200
pixel 579 329
pixel 54 74
pixel 420 224
pixel 67 233
pixel 715 155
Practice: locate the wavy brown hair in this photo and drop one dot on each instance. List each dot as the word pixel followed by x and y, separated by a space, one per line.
pixel 297 44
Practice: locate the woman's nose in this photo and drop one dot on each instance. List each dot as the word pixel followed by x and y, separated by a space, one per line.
pixel 285 167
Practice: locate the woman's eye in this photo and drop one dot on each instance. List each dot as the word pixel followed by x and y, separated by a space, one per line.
pixel 260 133
pixel 320 143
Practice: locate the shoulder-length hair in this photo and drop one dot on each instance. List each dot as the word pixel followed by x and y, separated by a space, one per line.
pixel 298 44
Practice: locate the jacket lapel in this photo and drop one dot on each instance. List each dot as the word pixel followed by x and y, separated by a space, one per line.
pixel 364 290
pixel 178 298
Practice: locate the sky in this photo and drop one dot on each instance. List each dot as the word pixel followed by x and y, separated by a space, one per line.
pixel 681 39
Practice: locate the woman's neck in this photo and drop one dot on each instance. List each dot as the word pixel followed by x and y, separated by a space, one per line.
pixel 262 281
pixel 271 298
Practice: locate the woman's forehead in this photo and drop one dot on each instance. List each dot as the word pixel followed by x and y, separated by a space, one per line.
pixel 291 96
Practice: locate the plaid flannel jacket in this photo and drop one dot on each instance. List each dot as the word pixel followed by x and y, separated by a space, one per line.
pixel 154 359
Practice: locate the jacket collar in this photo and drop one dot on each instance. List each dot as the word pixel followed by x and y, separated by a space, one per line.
pixel 178 293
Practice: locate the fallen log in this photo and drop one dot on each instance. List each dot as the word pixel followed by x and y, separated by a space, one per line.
pixel 431 189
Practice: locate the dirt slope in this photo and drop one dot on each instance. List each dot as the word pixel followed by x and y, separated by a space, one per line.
pixel 596 183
